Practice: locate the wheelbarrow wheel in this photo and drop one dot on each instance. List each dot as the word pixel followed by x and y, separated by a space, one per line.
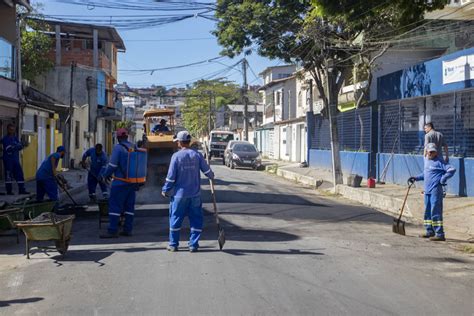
pixel 61 246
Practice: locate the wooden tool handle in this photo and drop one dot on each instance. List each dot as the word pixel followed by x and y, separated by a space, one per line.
pixel 404 202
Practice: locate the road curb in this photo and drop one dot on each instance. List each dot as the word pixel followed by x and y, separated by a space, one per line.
pixel 385 204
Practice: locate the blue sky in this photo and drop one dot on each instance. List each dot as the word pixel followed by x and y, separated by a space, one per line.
pixel 145 49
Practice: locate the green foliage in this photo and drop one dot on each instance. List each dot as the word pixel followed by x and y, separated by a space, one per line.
pixel 35 46
pixel 124 124
pixel 196 112
pixel 320 35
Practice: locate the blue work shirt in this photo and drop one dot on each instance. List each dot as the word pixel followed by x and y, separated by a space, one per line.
pixel 97 161
pixel 118 163
pixel 159 128
pixel 435 172
pixel 45 171
pixel 184 178
pixel 11 148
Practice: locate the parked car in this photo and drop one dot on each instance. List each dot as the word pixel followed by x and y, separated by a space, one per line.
pixel 244 154
pixel 226 157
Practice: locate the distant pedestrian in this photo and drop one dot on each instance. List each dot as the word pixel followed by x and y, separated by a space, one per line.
pixel 46 182
pixel 122 193
pixel 435 175
pixel 183 186
pixel 11 161
pixel 434 137
pixel 99 161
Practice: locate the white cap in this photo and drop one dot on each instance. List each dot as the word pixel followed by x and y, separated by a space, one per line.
pixel 182 136
pixel 431 147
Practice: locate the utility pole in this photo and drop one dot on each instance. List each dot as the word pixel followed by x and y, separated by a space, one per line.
pixel 245 99
pixel 331 97
pixel 210 113
pixel 68 135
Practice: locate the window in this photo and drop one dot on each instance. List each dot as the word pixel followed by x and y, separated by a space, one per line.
pixel 7 59
pixel 278 98
pixel 29 123
pixel 77 135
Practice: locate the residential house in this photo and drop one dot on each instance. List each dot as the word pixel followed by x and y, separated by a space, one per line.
pixel 276 138
pixel 231 117
pixel 10 80
pixel 85 60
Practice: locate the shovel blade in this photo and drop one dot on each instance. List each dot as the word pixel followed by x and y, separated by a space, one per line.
pixel 221 238
pixel 398 227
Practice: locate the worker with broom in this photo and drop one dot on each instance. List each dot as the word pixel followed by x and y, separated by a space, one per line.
pixel 183 186
pixel 99 161
pixel 46 176
pixel 435 175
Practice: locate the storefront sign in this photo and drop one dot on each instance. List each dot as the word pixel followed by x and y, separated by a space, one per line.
pixel 459 69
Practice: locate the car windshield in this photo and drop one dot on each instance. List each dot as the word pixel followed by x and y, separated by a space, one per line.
pixel 245 148
pixel 222 137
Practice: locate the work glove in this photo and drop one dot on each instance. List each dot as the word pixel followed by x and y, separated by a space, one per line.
pixel 164 194
pixel 411 180
pixel 83 164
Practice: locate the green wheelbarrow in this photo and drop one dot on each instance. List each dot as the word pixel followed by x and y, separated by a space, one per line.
pixel 32 209
pixel 8 218
pixel 45 227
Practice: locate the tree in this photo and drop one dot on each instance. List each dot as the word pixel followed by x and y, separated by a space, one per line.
pixel 202 100
pixel 35 46
pixel 333 40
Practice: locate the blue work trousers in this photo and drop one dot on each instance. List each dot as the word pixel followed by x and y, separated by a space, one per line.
pixel 13 172
pixel 46 186
pixel 433 219
pixel 92 185
pixel 179 208
pixel 121 200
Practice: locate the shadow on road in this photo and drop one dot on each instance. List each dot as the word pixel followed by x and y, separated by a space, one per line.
pixel 20 301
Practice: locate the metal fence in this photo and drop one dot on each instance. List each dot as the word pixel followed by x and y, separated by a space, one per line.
pixel 401 123
pixel 354 129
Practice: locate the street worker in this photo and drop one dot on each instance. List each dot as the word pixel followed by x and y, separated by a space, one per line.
pixel 183 186
pixel 11 161
pixel 437 138
pixel 435 175
pixel 161 127
pixel 46 182
pixel 99 161
pixel 122 193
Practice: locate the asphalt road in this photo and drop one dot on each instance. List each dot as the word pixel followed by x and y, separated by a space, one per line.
pixel 288 252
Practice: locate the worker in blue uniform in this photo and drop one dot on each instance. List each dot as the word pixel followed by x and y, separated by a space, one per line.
pixel 46 176
pixel 435 175
pixel 122 193
pixel 11 161
pixel 183 186
pixel 161 127
pixel 99 161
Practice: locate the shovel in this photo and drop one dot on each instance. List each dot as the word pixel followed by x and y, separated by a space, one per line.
pixel 63 186
pixel 399 225
pixel 221 233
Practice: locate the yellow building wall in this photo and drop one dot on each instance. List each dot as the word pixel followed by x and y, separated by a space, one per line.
pixel 29 158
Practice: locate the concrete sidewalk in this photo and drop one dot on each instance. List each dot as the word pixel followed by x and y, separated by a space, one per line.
pixel 388 198
pixel 77 179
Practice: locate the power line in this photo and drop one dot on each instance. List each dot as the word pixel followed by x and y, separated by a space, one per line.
pixel 173 67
